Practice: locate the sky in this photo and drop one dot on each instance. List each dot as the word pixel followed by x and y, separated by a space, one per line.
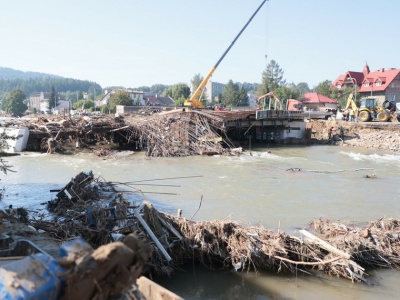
pixel 135 43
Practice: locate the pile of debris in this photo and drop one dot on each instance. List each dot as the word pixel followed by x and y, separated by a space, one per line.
pixel 180 134
pixel 95 210
pixel 171 133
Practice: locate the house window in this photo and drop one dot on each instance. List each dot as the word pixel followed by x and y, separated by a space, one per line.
pixel 338 86
pixel 393 85
pixel 366 83
pixel 391 97
pixel 378 83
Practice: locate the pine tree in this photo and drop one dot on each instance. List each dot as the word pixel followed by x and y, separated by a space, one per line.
pixel 272 78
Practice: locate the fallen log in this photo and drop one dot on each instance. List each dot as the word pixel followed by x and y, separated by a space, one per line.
pixel 324 244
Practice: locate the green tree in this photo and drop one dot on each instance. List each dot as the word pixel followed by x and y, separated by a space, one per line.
pixel 143 88
pixel 243 98
pixel 53 98
pixel 324 88
pixel 284 92
pixel 4 166
pixel 180 101
pixel 249 87
pixel 196 81
pixel 158 88
pixel 104 109
pixel 13 102
pixel 342 96
pixel 45 83
pixel 79 95
pixel 303 88
pixel 272 78
pixel 119 98
pixel 231 95
pixel 84 104
pixel 177 91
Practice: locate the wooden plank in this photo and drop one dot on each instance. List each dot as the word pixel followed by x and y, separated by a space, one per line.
pixel 152 235
pixel 324 244
pixel 151 290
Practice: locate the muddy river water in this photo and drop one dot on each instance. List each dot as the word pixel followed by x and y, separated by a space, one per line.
pixel 256 188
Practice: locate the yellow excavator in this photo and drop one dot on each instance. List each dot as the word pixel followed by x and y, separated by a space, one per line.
pixel 194 102
pixel 369 110
pixel 352 103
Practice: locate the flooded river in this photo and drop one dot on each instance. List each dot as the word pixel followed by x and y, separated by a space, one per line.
pixel 256 188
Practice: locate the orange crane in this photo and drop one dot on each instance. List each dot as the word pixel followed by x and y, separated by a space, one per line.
pixel 193 101
pixel 266 95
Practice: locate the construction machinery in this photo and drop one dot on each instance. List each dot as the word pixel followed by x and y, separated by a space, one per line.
pixel 194 102
pixel 351 103
pixel 291 104
pixel 369 109
pixel 277 101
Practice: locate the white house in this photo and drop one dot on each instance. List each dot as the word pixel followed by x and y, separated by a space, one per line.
pixel 137 97
pixel 62 105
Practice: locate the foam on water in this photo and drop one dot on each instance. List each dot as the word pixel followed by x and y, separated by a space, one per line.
pixel 393 159
pixel 257 156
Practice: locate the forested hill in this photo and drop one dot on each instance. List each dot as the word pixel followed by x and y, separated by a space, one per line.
pixel 8 73
pixel 30 82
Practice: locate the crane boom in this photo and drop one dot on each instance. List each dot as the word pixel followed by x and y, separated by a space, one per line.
pixel 193 101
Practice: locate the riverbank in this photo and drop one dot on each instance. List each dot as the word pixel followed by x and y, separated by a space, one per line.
pixel 371 135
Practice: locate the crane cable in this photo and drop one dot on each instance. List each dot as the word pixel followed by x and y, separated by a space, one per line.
pixel 266 31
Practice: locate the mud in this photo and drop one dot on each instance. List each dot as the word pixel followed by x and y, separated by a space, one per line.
pixel 371 135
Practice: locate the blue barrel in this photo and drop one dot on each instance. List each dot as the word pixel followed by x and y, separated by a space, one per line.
pixel 75 246
pixel 34 277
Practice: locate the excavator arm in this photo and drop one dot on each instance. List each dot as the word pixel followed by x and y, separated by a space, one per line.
pixel 266 95
pixel 350 102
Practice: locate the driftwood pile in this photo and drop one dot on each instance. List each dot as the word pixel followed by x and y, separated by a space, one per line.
pixel 375 245
pixel 50 134
pixel 183 133
pixel 170 133
pixel 340 250
pixel 177 134
pixel 93 209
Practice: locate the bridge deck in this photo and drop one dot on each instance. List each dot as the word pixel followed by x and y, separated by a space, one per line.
pixel 279 115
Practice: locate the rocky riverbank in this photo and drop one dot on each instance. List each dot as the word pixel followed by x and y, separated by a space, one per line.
pixel 373 135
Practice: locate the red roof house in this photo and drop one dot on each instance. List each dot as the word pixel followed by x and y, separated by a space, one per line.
pixel 315 101
pixel 382 84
